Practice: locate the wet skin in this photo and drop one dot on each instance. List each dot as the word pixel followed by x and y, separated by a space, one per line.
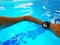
pixel 5 22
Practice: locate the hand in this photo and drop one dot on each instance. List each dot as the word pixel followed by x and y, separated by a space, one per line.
pixel 55 28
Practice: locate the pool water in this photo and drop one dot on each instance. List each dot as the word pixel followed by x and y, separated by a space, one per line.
pixel 29 33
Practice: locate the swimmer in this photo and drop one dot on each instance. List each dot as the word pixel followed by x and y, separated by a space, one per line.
pixel 5 22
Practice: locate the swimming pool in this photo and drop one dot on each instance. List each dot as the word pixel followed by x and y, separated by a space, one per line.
pixel 29 33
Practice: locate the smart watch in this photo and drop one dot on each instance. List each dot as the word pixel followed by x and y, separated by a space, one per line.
pixel 46 25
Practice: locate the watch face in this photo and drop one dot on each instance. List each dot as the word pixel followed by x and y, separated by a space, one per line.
pixel 44 25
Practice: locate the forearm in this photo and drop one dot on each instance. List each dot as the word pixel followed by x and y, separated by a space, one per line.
pixel 28 18
pixel 32 19
pixel 6 21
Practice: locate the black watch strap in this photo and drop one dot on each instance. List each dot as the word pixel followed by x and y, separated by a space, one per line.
pixel 46 25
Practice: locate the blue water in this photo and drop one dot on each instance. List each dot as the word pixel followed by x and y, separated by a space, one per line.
pixel 29 33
